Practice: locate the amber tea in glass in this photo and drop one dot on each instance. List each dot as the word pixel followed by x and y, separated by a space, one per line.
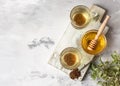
pixel 80 16
pixel 70 58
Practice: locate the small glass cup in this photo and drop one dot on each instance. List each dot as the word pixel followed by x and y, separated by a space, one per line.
pixel 90 35
pixel 80 16
pixel 70 58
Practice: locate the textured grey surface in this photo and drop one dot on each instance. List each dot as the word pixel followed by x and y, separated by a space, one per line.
pixel 22 21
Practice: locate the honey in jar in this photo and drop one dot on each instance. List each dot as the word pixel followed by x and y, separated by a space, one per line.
pixel 90 35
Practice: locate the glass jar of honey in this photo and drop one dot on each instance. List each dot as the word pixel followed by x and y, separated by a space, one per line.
pixel 90 35
pixel 70 58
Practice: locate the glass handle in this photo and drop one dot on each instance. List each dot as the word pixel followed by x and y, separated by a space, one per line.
pixel 56 55
pixel 95 16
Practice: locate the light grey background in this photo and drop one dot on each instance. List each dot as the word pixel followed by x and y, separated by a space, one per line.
pixel 24 21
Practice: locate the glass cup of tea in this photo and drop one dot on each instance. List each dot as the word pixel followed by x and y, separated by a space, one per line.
pixel 81 16
pixel 70 58
pixel 90 35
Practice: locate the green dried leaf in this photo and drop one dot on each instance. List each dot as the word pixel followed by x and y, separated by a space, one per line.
pixel 108 72
pixel 99 82
pixel 94 76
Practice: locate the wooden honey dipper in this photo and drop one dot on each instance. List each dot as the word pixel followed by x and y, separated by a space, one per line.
pixel 93 42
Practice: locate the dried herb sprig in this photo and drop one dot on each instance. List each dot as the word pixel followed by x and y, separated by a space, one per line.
pixel 107 73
